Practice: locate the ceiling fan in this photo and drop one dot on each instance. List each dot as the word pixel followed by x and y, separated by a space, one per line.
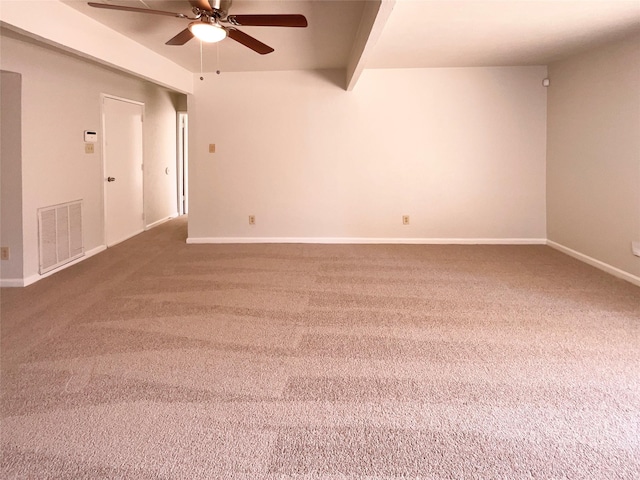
pixel 207 19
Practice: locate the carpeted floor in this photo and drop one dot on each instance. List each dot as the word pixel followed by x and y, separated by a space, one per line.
pixel 158 359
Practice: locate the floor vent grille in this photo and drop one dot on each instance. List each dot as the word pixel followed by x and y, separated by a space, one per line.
pixel 60 234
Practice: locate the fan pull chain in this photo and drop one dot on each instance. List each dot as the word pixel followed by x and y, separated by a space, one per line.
pixel 201 72
pixel 218 58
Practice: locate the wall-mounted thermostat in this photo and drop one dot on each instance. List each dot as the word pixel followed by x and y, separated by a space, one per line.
pixel 90 136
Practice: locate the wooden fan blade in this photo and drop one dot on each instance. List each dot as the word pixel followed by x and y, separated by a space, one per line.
pixel 180 39
pixel 135 9
pixel 249 41
pixel 201 4
pixel 268 20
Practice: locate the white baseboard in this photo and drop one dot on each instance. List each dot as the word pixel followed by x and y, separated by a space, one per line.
pixel 34 278
pixel 616 272
pixel 124 239
pixel 371 240
pixel 11 282
pixel 161 221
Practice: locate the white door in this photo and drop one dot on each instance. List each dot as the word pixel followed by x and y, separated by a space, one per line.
pixel 124 211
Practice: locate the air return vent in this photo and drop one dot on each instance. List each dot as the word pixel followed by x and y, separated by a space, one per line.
pixel 60 234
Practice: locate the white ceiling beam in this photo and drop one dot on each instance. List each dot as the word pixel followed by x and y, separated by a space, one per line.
pixel 57 24
pixel 374 18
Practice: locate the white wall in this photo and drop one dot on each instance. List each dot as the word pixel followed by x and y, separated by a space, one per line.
pixel 593 158
pixel 10 174
pixel 462 151
pixel 61 99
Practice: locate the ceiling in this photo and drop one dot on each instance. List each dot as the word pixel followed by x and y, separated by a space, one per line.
pixel 490 33
pixel 324 44
pixel 417 33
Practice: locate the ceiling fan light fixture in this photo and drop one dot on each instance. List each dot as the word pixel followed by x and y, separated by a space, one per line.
pixel 208 32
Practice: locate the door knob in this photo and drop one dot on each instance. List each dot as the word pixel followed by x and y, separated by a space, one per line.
pixel 111 179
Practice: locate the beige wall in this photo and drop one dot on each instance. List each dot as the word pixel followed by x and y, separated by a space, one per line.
pixel 61 99
pixel 593 157
pixel 462 151
pixel 11 174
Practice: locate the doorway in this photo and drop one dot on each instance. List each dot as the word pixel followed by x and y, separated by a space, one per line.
pixel 183 163
pixel 123 163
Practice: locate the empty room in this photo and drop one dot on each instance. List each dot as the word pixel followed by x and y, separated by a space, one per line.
pixel 320 239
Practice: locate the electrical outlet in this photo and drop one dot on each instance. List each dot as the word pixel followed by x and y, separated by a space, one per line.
pixel 88 148
pixel 405 219
pixel 252 219
pixel 4 253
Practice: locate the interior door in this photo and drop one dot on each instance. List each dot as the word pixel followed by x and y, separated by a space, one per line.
pixel 124 210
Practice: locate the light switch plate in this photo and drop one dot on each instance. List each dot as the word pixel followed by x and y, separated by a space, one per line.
pixel 90 136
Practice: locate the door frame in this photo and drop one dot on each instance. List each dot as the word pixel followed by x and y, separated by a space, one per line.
pixel 103 97
pixel 182 169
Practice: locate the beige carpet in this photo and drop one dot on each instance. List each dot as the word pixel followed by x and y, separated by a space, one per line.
pixel 158 359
